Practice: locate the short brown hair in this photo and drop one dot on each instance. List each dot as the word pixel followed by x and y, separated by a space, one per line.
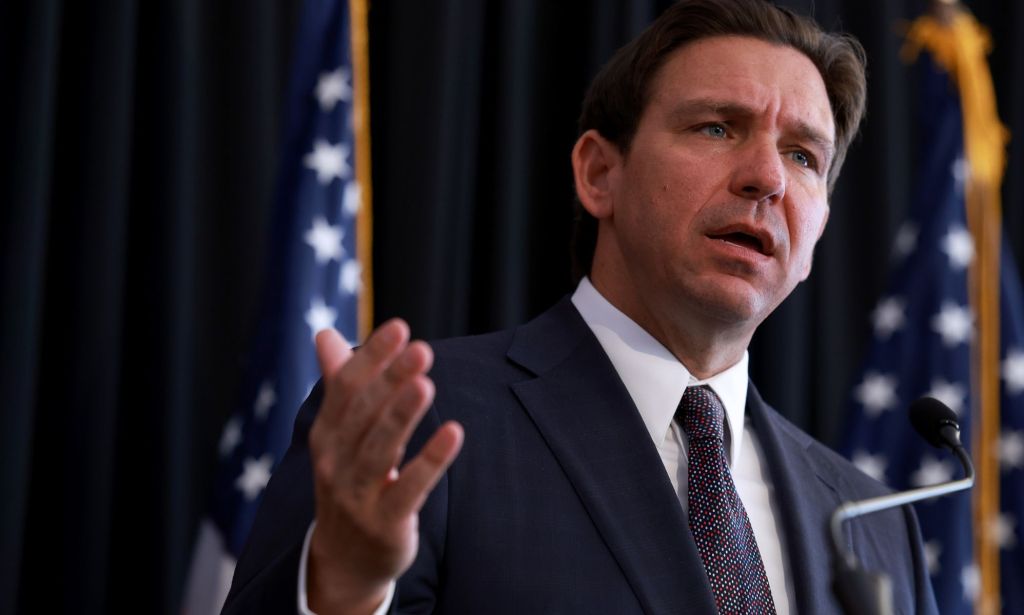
pixel 619 93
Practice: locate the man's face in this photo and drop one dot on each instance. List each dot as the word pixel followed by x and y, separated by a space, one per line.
pixel 716 208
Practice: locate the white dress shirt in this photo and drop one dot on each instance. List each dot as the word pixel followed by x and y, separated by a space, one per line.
pixel 656 380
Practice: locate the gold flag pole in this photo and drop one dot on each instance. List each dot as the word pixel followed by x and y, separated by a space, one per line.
pixel 959 44
pixel 358 26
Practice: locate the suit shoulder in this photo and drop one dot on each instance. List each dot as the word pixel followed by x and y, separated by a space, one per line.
pixel 859 484
pixel 474 358
pixel 473 347
pixel 863 484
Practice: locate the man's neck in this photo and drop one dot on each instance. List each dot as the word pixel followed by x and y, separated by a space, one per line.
pixel 704 345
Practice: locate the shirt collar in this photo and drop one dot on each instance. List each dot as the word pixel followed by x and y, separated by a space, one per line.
pixel 654 378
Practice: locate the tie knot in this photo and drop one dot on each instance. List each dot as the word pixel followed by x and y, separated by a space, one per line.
pixel 701 413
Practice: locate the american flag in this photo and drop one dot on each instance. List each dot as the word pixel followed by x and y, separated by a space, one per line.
pixel 313 281
pixel 1009 527
pixel 924 336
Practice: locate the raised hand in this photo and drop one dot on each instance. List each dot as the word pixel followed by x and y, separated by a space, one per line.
pixel 366 507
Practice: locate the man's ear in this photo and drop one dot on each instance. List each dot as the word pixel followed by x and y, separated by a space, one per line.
pixel 595 164
pixel 821 231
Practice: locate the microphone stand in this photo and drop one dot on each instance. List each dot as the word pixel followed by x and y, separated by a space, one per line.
pixel 861 591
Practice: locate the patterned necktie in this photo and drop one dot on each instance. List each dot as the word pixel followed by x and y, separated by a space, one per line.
pixel 718 521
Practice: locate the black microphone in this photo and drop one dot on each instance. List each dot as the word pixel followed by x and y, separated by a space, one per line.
pixel 936 423
pixel 863 592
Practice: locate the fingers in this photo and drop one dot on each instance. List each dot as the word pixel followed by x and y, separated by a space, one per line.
pixel 375 355
pixel 331 351
pixel 414 360
pixel 373 401
pixel 355 393
pixel 406 495
pixel 335 353
pixel 383 443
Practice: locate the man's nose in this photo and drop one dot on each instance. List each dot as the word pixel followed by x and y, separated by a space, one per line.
pixel 759 173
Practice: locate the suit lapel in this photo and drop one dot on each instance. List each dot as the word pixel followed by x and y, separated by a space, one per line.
pixel 591 425
pixel 806 495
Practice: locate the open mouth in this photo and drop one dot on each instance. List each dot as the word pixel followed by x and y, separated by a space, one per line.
pixel 744 240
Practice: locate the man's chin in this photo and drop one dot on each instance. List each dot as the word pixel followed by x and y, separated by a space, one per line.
pixel 734 306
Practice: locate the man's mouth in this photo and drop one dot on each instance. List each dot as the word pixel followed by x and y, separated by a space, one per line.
pixel 755 240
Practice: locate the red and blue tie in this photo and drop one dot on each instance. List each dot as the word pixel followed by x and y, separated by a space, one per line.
pixel 718 521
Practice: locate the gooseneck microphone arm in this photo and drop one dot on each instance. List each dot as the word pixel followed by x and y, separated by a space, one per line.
pixel 849 510
pixel 862 592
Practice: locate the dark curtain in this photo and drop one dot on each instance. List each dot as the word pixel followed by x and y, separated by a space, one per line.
pixel 135 198
pixel 135 194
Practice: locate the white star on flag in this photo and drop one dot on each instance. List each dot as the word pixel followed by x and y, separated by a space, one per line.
pixel 351 201
pixel 1011 449
pixel 906 239
pixel 350 280
pixel 954 323
pixel 872 465
pixel 320 316
pixel 255 476
pixel 231 436
pixel 931 472
pixel 1002 530
pixel 959 247
pixel 970 578
pixel 876 393
pixel 932 551
pixel 888 316
pixel 949 393
pixel 332 87
pixel 329 161
pixel 1013 371
pixel 325 240
pixel 265 400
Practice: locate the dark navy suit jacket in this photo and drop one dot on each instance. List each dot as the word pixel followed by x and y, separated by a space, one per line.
pixel 559 502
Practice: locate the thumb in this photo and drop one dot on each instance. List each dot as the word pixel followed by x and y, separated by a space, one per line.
pixel 332 351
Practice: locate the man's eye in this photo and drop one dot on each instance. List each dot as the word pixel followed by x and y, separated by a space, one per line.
pixel 714 130
pixel 803 159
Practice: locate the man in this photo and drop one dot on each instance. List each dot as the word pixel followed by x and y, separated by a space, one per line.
pixel 709 146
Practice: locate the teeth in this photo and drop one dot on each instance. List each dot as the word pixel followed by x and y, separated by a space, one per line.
pixel 743 240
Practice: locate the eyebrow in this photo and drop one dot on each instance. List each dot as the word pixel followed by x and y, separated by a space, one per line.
pixel 715 106
pixel 697 106
pixel 808 133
